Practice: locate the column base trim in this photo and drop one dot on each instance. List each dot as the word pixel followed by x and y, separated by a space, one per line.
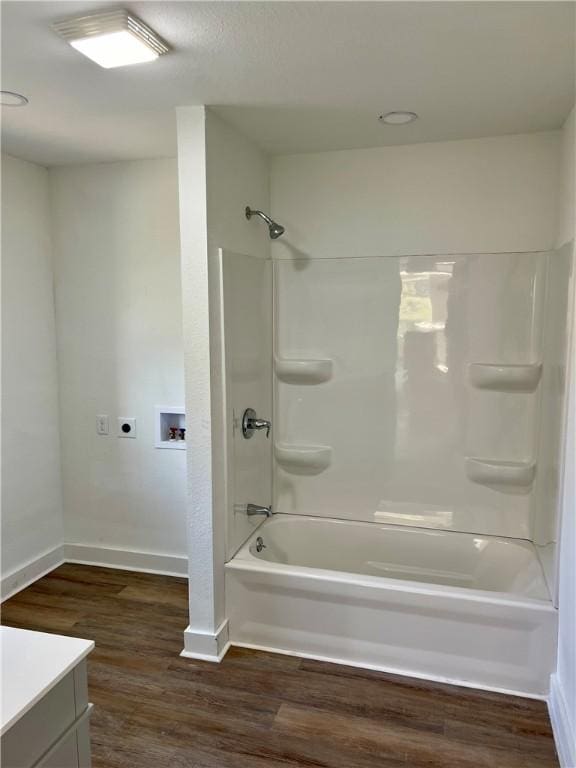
pixel 206 646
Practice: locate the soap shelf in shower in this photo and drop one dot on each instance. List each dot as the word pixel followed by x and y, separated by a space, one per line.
pixel 500 474
pixel 303 459
pixel 505 378
pixel 303 371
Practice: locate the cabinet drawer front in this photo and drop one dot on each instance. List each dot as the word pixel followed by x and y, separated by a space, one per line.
pixel 38 729
pixel 65 756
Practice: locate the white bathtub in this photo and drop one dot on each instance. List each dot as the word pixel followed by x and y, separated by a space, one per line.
pixel 472 610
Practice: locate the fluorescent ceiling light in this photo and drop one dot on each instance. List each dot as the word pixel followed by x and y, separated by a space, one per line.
pixel 114 49
pixel 112 39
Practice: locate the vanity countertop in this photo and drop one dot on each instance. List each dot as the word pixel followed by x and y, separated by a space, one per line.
pixel 33 663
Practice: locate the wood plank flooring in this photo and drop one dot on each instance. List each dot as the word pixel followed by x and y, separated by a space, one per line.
pixel 154 709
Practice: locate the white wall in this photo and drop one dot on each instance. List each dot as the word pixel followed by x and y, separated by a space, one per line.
pixel 31 490
pixel 119 327
pixel 563 694
pixel 220 172
pixel 473 196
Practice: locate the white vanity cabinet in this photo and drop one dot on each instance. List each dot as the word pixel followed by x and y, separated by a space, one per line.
pixel 45 710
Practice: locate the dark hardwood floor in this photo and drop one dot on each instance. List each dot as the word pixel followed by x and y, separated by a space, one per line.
pixel 154 709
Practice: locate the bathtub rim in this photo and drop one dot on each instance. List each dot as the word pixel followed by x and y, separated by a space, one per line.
pixel 244 560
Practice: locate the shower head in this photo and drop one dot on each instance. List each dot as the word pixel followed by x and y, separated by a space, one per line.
pixel 275 230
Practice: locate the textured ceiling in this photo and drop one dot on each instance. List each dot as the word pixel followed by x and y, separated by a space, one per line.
pixel 296 76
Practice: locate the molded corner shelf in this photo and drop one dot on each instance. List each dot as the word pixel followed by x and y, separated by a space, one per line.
pixel 500 474
pixel 303 459
pixel 300 371
pixel 505 378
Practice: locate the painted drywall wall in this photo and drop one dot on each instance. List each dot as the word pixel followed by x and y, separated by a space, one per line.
pixel 31 490
pixel 473 196
pixel 563 689
pixel 119 329
pixel 220 172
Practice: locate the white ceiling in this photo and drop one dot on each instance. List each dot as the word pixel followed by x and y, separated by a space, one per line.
pixel 296 76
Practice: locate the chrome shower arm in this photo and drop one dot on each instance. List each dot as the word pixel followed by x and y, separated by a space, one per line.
pixel 275 229
pixel 253 212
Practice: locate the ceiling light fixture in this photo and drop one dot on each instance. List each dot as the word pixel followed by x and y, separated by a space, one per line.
pixel 398 118
pixel 112 38
pixel 12 99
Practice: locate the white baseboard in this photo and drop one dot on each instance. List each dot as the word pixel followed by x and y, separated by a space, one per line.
pixel 27 574
pixel 562 725
pixel 206 646
pixel 83 554
pixel 126 559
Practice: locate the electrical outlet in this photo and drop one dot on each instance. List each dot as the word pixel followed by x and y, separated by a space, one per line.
pixel 102 424
pixel 126 427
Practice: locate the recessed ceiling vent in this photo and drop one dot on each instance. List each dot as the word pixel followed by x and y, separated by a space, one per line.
pixel 12 99
pixel 112 38
pixel 398 118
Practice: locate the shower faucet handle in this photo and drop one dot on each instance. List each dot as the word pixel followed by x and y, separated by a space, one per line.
pixel 251 422
pixel 262 424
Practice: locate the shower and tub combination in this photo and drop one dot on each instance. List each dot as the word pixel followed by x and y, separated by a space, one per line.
pixel 401 513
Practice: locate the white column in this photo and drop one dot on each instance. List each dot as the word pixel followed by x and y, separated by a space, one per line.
pixel 207 635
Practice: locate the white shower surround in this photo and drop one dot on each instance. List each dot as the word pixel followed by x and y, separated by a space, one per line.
pixel 311 593
pixel 340 339
pixel 434 410
pixel 320 602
